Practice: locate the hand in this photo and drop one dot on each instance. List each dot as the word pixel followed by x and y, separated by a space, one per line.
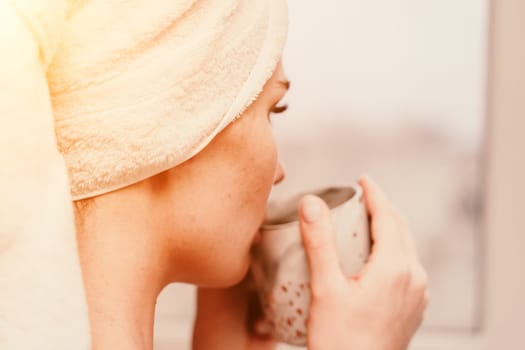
pixel 382 307
pixel 228 319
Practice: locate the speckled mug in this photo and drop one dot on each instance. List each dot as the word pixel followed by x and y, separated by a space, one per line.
pixel 279 264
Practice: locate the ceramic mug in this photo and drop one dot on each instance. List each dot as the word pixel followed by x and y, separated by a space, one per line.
pixel 279 265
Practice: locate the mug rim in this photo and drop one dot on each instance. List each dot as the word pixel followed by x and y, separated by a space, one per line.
pixel 356 196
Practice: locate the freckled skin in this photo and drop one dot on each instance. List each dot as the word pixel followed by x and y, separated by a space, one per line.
pixel 217 200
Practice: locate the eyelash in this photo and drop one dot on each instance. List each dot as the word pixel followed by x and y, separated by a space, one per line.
pixel 279 109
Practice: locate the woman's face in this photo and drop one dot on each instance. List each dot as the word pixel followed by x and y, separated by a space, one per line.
pixel 211 206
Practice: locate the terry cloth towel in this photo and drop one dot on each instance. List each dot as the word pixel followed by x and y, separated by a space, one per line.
pixel 120 90
pixel 141 92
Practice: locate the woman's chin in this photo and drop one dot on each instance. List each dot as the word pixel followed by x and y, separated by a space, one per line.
pixel 235 276
pixel 231 274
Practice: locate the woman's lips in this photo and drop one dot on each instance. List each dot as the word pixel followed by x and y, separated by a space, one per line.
pixel 257 236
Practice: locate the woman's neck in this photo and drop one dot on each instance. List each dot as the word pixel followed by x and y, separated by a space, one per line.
pixel 123 267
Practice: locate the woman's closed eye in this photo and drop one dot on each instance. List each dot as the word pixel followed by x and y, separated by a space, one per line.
pixel 279 109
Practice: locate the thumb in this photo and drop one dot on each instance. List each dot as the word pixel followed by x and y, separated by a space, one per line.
pixel 319 241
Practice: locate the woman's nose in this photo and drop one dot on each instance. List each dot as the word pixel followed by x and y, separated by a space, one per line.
pixel 279 174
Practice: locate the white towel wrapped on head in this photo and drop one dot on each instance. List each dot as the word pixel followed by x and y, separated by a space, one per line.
pixel 123 90
pixel 139 93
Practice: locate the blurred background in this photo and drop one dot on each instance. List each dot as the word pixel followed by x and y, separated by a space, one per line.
pixel 396 89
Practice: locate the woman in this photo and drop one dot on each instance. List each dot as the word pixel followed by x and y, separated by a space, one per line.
pixel 162 115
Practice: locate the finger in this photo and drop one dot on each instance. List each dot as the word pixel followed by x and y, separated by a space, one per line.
pixel 376 200
pixel 422 308
pixel 388 242
pixel 408 238
pixel 426 300
pixel 319 241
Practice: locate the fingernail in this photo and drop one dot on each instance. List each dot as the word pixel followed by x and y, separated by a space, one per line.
pixel 311 209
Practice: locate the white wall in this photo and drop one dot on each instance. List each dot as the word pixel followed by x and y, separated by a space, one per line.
pixel 385 62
